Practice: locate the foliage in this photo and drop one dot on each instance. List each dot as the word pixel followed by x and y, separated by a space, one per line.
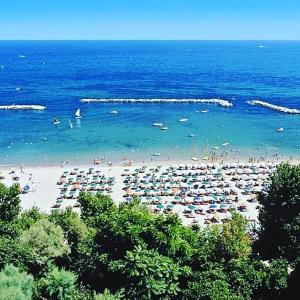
pixel 15 285
pixel 45 241
pixel 9 202
pixel 123 251
pixel 150 275
pixel 60 284
pixel 279 234
pixel 107 295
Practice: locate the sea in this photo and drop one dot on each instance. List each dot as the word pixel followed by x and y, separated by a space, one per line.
pixel 57 74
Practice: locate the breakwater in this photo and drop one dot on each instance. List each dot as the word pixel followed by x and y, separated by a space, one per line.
pixel 274 107
pixel 22 107
pixel 220 102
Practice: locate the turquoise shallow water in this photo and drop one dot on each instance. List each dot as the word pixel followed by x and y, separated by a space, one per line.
pixel 59 74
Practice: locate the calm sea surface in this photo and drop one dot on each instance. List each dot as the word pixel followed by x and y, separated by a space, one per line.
pixel 58 74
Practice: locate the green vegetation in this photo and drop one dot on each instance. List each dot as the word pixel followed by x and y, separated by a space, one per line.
pixel 111 252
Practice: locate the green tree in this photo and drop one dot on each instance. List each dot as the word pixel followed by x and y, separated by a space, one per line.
pixel 149 275
pixel 15 285
pixel 9 202
pixel 234 240
pixel 93 206
pixel 12 252
pixel 210 284
pixel 107 295
pixel 28 217
pixel 60 284
pixel 279 233
pixel 45 240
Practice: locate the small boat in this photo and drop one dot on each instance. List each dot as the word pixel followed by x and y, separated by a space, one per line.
pixel 70 124
pixel 156 154
pixel 279 129
pixel 183 120
pixel 55 121
pixel 157 124
pixel 114 112
pixel 17 89
pixel 204 111
pixel 225 144
pixel 77 114
pixel 215 148
pixel 194 158
pixel 164 128
pixel 191 135
pixel 22 56
pixel 261 46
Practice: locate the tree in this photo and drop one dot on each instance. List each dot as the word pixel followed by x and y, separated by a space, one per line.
pixel 60 284
pixel 12 252
pixel 9 202
pixel 15 285
pixel 149 274
pixel 75 232
pixel 94 205
pixel 279 233
pixel 45 240
pixel 210 284
pixel 28 217
pixel 234 241
pixel 107 295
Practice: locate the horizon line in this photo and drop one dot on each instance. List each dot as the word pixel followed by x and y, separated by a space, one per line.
pixel 137 40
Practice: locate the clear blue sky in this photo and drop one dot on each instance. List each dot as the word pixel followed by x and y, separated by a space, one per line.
pixel 150 19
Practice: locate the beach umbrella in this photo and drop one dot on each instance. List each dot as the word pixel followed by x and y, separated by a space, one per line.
pixel 170 205
pixel 213 206
pixel 160 206
pixel 191 207
pixel 224 206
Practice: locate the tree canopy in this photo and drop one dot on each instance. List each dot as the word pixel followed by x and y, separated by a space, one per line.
pixel 111 251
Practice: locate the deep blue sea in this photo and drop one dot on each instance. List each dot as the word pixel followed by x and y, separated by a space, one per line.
pixel 58 74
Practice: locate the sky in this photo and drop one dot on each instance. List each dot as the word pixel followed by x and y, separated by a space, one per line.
pixel 150 19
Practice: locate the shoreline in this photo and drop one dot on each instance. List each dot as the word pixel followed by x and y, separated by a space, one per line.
pixel 154 161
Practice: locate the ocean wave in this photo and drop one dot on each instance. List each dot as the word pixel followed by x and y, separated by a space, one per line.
pixel 22 107
pixel 219 102
pixel 282 109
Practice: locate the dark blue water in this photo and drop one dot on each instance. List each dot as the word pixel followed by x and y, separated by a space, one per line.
pixel 58 74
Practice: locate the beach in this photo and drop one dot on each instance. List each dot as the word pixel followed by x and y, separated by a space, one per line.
pixel 194 190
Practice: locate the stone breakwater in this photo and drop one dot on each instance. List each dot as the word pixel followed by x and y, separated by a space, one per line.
pixel 22 107
pixel 219 102
pixel 275 107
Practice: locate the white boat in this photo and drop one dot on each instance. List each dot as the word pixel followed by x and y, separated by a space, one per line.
pixel 194 158
pixel 279 129
pixel 191 135
pixel 17 89
pixel 70 124
pixel 114 112
pixel 158 124
pixel 183 120
pixel 55 121
pixel 22 56
pixel 164 128
pixel 156 154
pixel 204 111
pixel 261 46
pixel 77 114
pixel 225 144
pixel 215 148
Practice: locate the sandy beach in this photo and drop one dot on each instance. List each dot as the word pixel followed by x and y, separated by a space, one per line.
pixel 46 186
